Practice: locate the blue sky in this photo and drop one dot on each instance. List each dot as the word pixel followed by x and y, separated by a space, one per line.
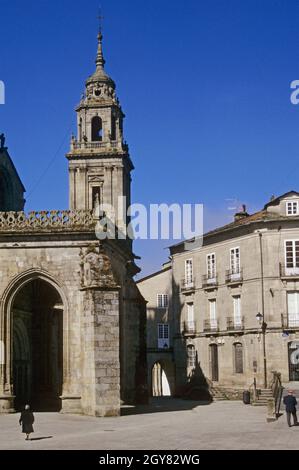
pixel 205 85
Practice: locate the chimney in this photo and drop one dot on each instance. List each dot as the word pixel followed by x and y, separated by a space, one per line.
pixel 241 214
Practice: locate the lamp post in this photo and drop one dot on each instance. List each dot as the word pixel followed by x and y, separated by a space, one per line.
pixel 261 319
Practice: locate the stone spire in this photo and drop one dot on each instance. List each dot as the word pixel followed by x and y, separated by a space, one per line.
pixel 100 61
pixel 100 75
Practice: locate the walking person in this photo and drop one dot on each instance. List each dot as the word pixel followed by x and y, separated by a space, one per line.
pixel 290 403
pixel 27 420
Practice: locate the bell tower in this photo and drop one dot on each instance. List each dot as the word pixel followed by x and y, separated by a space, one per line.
pixel 99 161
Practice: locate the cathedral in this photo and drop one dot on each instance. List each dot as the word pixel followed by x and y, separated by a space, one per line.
pixel 72 321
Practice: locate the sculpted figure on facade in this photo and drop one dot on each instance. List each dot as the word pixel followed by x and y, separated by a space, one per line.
pixel 96 270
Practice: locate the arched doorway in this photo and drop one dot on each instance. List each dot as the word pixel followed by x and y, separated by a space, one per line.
pixel 37 346
pixel 162 379
pixel 293 355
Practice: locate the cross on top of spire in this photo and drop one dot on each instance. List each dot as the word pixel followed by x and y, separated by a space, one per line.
pixel 100 18
pixel 100 61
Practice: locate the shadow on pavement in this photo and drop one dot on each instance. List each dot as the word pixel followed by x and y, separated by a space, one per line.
pixel 162 405
pixel 40 438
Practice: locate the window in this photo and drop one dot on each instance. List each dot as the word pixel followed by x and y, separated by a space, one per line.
pixel 237 310
pixel 292 256
pixel 162 300
pixel 191 355
pixel 292 207
pixel 190 323
pixel 238 358
pixel 188 272
pixel 293 308
pixel 190 312
pixel 213 313
pixel 211 266
pixel 163 335
pixel 235 260
pixel 96 129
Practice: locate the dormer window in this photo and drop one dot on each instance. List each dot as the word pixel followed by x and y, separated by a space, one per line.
pixel 292 208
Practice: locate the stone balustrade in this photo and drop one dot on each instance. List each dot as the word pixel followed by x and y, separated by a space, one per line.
pixel 46 220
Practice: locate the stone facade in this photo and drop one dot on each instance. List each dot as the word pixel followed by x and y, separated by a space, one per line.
pixel 157 352
pixel 247 268
pixel 72 321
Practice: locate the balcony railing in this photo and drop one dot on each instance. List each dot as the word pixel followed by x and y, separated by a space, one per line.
pixel 209 282
pixel 210 325
pixel 290 321
pixel 77 145
pixel 233 277
pixel 187 284
pixel 189 327
pixel 235 323
pixel 287 271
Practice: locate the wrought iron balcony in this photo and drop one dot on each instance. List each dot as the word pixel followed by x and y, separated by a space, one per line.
pixel 288 272
pixel 210 325
pixel 189 327
pixel 233 277
pixel 290 321
pixel 188 285
pixel 235 323
pixel 209 282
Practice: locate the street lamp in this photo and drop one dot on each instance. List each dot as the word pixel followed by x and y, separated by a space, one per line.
pixel 261 319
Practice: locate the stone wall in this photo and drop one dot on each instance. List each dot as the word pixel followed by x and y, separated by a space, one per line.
pixel 101 304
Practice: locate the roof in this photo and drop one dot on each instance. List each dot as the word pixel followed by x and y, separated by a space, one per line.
pixel 167 268
pixel 4 154
pixel 261 216
pixel 276 200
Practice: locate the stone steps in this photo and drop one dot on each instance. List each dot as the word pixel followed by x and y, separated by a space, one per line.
pixel 218 394
pixel 264 396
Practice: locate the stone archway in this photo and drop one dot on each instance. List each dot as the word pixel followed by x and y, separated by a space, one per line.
pixel 34 322
pixel 37 347
pixel 162 378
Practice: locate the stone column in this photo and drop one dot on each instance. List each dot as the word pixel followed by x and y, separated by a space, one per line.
pixel 100 378
pixel 72 189
pixel 100 353
pixel 6 395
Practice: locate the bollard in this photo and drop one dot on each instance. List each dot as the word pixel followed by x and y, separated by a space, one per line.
pixel 271 414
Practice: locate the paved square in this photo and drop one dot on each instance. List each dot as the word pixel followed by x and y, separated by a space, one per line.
pixel 165 424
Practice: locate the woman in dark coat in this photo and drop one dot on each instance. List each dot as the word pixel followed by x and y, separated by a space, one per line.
pixel 27 420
